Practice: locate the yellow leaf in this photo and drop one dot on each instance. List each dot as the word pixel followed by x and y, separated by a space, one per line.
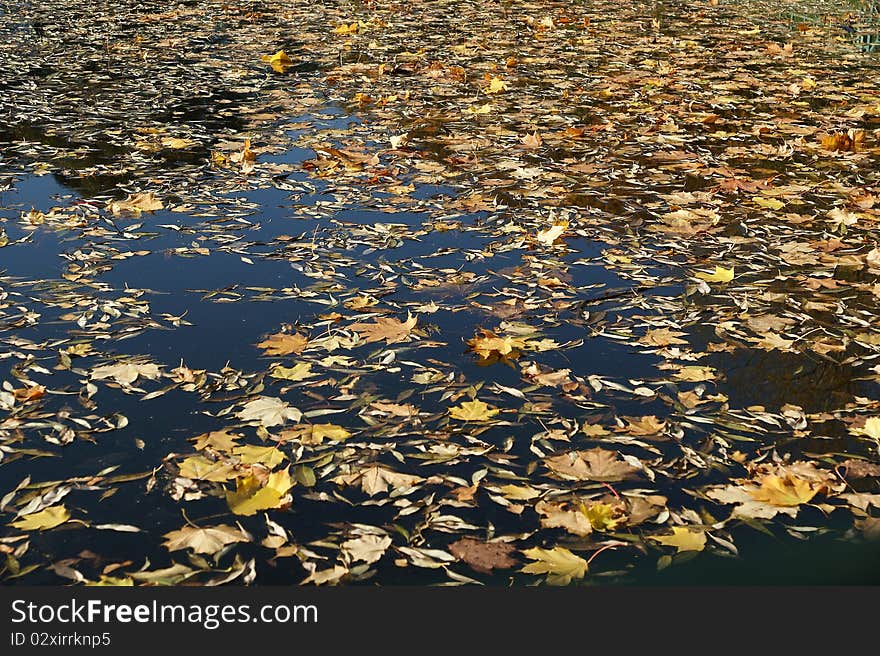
pixel 474 410
pixel 251 454
pixel 602 516
pixel 350 28
pixel 490 345
pixel 518 493
pixel 683 539
pixel 45 519
pixel 871 428
pixel 201 468
pixel 496 85
pixel 312 434
pixel 560 564
pixel 216 440
pixel 284 344
pixel 250 496
pixel 786 490
pixel 136 203
pixel 279 62
pixel 721 275
pixel 299 371
pixel 769 203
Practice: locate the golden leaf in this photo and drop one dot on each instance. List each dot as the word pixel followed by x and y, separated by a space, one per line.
pixel 560 564
pixel 284 344
pixel 387 328
pixel 250 496
pixel 43 520
pixel 721 275
pixel 785 490
pixel 683 539
pixel 474 410
pixel 279 62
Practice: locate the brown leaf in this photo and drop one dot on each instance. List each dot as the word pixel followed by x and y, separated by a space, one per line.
pixel 592 465
pixel 284 344
pixel 483 556
pixel 387 328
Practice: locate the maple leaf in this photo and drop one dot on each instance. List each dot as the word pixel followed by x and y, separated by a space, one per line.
pixel 474 410
pixel 208 540
pixel 367 549
pixel 662 337
pixel 330 575
pixel 560 564
pixel 785 490
pixel 284 344
pixel 683 539
pixel 126 373
pixel 136 203
pixel 279 62
pixel 43 520
pixel 496 85
pixel 551 234
pixel 483 556
pixel 312 434
pixel 648 425
pixel 720 275
pixel 300 371
pixel 491 345
pixel 200 468
pixel 532 141
pixel 593 465
pixel 387 328
pixel 603 516
pixel 870 429
pixel 251 454
pixel 558 516
pixel 376 479
pixel 268 411
pixel 250 496
pixel 216 440
pixel 346 28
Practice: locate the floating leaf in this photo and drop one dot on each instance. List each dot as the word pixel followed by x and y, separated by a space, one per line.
pixel 250 496
pixel 721 275
pixel 474 410
pixel 43 520
pixel 683 539
pixel 560 564
pixel 203 540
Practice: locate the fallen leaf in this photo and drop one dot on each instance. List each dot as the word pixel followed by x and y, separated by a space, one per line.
pixel 721 275
pixel 560 564
pixel 279 62
pixel 593 465
pixel 683 539
pixel 474 410
pixel 387 328
pixel 269 411
pixel 284 344
pixel 250 496
pixel 43 520
pixel 367 549
pixel 208 540
pixel 483 556
pixel 136 203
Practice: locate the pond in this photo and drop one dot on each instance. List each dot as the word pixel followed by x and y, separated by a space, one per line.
pixel 564 293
